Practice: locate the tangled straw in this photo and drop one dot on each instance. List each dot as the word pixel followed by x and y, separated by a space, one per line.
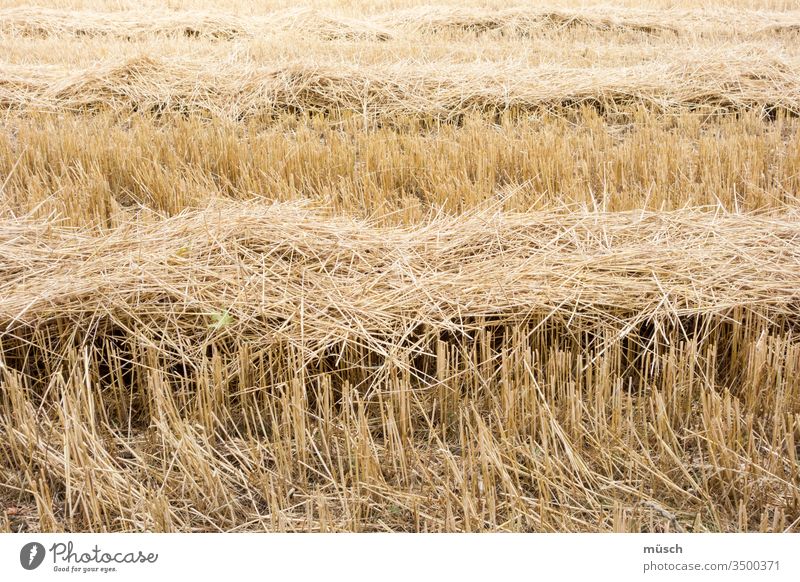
pixel 444 90
pixel 286 273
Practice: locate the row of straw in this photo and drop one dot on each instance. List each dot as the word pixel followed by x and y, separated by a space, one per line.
pixel 711 81
pixel 269 273
pixel 43 22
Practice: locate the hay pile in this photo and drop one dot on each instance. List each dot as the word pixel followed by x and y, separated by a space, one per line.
pixel 131 25
pixel 528 20
pixel 713 82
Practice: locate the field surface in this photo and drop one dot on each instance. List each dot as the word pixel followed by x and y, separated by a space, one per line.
pixel 400 266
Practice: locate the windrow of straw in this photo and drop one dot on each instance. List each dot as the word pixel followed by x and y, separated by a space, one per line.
pixel 237 90
pixel 284 273
pixel 41 22
pixel 523 21
pixel 614 19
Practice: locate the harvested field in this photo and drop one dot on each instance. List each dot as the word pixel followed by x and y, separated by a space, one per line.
pixel 95 171
pixel 355 267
